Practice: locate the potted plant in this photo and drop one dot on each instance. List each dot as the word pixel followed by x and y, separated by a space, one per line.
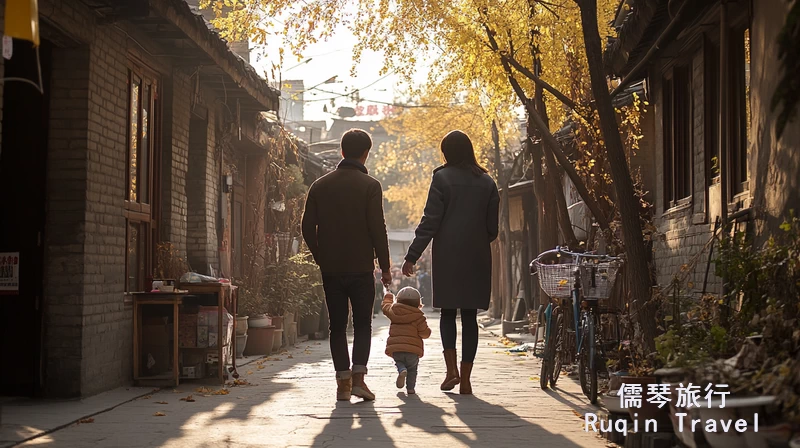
pixel 170 264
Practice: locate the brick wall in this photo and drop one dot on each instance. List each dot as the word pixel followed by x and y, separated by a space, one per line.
pixel 65 231
pixel 202 190
pixel 684 230
pixel 107 326
pixel 177 93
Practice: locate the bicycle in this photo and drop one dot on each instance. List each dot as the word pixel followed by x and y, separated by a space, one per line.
pixel 593 277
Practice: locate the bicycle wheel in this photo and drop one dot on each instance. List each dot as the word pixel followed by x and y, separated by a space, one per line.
pixel 583 361
pixel 559 349
pixel 548 354
pixel 588 363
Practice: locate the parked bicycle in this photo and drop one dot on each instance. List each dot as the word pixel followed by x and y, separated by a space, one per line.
pixel 575 283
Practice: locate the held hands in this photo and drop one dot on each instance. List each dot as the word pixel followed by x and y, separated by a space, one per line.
pixel 386 278
pixel 408 268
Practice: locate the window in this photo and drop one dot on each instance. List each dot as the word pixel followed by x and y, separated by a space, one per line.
pixel 739 119
pixel 141 172
pixel 677 121
pixel 738 112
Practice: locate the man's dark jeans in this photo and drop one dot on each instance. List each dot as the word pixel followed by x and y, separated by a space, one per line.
pixel 357 290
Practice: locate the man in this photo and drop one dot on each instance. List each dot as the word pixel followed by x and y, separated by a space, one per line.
pixel 344 227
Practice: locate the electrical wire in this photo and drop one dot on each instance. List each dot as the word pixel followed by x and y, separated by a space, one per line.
pixel 40 86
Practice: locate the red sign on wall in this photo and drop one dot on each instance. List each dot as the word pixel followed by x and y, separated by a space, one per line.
pixel 372 110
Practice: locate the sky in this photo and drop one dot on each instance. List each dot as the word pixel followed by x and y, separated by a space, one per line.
pixel 334 57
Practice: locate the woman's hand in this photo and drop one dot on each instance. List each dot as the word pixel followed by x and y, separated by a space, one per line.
pixel 408 268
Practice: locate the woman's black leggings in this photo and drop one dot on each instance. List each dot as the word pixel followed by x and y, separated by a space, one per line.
pixel 469 332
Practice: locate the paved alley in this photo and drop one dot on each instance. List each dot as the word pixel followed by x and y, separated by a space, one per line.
pixel 290 402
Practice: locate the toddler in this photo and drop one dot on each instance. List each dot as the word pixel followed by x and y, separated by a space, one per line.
pixel 409 327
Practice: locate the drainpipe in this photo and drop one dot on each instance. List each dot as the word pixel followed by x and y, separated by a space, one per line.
pixel 723 140
pixel 723 112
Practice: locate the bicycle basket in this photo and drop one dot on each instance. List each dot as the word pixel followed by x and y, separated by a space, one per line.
pixel 597 279
pixel 556 279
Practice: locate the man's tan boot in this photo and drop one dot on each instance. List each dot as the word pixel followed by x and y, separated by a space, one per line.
pixel 451 361
pixel 344 382
pixel 360 388
pixel 466 385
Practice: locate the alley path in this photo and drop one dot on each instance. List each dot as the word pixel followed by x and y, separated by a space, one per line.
pixel 291 403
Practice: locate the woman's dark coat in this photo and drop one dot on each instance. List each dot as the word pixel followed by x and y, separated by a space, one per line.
pixel 461 217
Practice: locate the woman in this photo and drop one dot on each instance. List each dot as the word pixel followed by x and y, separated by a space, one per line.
pixel 461 217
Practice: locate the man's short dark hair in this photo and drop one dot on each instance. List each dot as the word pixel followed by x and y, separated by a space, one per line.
pixel 355 143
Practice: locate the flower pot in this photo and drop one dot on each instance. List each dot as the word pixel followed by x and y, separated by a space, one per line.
pixel 259 321
pixel 277 340
pixel 687 437
pixel 309 324
pixel 241 342
pixel 241 325
pixel 648 410
pixel 277 321
pixel 744 408
pixel 291 333
pixel 259 341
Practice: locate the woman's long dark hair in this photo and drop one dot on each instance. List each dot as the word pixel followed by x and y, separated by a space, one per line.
pixel 458 151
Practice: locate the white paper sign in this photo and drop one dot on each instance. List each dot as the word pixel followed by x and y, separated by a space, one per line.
pixel 9 272
pixel 8 47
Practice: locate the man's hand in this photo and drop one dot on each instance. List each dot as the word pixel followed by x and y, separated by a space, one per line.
pixel 408 268
pixel 386 278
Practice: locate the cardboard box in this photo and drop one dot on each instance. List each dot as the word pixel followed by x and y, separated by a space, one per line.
pixel 195 371
pixel 187 330
pixel 202 336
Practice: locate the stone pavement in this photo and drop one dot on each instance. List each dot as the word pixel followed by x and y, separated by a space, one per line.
pixel 290 402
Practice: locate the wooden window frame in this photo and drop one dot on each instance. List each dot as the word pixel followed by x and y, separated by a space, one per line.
pixel 738 126
pixel 677 120
pixel 142 208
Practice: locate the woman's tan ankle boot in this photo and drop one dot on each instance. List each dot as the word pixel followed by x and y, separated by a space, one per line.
pixel 451 361
pixel 360 388
pixel 344 385
pixel 466 386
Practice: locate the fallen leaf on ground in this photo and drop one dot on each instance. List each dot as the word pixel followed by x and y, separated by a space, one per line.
pixel 260 367
pixel 577 414
pixel 175 391
pixel 161 402
pixel 86 420
pixel 204 390
pixel 535 378
pixel 188 399
pixel 307 352
pixel 147 397
pixel 290 357
pixel 249 372
pixel 220 392
pixel 240 398
pixel 159 414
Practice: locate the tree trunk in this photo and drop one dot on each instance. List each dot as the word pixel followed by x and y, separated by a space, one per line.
pixel 554 174
pixel 638 270
pixel 506 246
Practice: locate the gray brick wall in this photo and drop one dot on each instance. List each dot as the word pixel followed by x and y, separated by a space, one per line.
pixel 177 93
pixel 107 326
pixel 65 231
pixel 683 231
pixel 88 323
pixel 202 191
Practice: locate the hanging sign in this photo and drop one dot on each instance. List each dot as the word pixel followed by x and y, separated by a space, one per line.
pixel 9 272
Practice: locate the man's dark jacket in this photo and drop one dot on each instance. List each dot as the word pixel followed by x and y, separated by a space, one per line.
pixel 343 223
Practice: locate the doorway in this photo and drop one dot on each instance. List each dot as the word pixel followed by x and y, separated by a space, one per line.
pixel 22 219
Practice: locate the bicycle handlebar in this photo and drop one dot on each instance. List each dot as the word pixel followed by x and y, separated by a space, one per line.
pixel 559 250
